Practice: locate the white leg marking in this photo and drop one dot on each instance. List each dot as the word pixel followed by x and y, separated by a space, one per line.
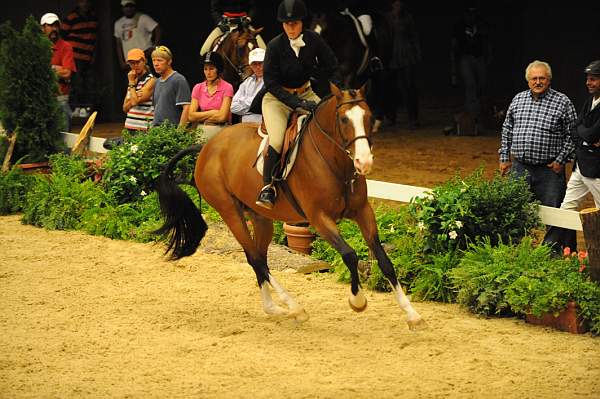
pixel 414 319
pixel 296 310
pixel 268 305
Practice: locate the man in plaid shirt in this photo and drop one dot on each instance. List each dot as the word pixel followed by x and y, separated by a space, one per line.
pixel 536 136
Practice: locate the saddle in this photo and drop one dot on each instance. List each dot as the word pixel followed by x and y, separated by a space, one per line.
pixel 291 140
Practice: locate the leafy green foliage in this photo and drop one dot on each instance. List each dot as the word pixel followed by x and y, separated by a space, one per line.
pixel 432 279
pixel 14 186
pixel 485 273
pixel 57 202
pixel 463 211
pixel 28 88
pixel 132 168
pixel 549 286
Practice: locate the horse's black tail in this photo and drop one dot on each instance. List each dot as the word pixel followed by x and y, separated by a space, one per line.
pixel 184 225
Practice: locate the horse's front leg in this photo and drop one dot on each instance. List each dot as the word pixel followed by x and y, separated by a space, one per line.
pixel 365 218
pixel 328 230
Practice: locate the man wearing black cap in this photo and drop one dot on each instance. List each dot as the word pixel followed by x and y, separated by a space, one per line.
pixel 586 172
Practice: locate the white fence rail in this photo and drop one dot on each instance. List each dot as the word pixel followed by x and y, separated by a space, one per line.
pixel 403 193
pixel 394 192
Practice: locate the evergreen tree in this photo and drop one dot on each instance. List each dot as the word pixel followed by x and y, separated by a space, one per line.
pixel 28 88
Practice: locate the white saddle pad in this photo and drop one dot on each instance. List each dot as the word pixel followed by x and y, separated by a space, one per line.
pixel 292 157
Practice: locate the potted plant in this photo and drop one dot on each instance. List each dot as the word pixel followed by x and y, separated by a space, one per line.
pixel 558 294
pixel 299 237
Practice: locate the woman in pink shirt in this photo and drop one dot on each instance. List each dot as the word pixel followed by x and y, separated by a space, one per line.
pixel 211 99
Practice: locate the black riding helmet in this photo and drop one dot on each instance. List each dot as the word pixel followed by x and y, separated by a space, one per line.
pixel 213 58
pixel 593 68
pixel 291 10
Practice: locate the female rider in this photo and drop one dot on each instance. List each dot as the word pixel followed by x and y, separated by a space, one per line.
pixel 291 60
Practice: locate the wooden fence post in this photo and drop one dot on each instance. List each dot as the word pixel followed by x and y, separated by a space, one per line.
pixel 590 219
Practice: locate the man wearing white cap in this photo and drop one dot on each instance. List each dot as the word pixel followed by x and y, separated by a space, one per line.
pixel 62 62
pixel 134 30
pixel 240 105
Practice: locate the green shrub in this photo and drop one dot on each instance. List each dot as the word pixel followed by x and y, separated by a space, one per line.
pixel 14 186
pixel 58 200
pixel 431 281
pixel 486 272
pixel 129 221
pixel 132 168
pixel 463 211
pixel 551 285
pixel 28 88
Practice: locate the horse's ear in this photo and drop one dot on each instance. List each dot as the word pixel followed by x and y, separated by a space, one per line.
pixel 363 90
pixel 335 90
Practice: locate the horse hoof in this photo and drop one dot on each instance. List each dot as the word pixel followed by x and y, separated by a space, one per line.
pixel 417 324
pixel 299 315
pixel 276 311
pixel 358 303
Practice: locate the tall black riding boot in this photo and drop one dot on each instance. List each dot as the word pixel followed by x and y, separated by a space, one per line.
pixel 267 195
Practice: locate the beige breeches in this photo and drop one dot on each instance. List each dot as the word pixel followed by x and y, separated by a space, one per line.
pixel 276 114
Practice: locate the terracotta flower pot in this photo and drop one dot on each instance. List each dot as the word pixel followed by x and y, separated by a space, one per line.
pixel 299 238
pixel 566 320
pixel 38 167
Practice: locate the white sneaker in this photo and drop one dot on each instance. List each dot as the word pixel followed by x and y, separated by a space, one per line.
pixel 83 113
pixel 76 112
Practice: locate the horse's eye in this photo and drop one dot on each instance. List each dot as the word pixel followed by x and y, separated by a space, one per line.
pixel 344 119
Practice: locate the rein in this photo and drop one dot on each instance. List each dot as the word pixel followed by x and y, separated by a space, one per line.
pixel 239 69
pixel 344 148
pixel 346 144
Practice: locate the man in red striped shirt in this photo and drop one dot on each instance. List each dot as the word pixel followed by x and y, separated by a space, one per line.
pixel 62 63
pixel 80 29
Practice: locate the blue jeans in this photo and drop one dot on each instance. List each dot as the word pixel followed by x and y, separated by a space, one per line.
pixel 547 186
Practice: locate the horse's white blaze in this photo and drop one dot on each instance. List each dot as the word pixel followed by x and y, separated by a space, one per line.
pixel 411 313
pixel 363 159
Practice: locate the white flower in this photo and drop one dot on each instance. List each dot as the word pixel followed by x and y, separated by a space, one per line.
pixel 132 179
pixel 421 226
pixel 143 193
pixel 453 234
pixel 459 224
pixel 134 148
pixel 391 228
pixel 462 190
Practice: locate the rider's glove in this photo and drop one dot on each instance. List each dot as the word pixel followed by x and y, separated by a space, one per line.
pixel 223 25
pixel 308 105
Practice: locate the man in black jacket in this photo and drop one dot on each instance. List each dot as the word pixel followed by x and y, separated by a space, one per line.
pixel 586 172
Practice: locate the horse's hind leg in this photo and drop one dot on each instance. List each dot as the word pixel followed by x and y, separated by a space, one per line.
pixel 232 212
pixel 365 219
pixel 263 233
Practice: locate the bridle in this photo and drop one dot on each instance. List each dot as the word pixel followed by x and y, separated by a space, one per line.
pixel 346 179
pixel 345 143
pixel 239 69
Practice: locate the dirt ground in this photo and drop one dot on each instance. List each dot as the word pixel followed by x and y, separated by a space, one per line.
pixel 85 316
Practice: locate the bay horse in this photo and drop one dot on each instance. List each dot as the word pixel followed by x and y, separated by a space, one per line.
pixel 327 182
pixel 235 46
pixel 361 59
